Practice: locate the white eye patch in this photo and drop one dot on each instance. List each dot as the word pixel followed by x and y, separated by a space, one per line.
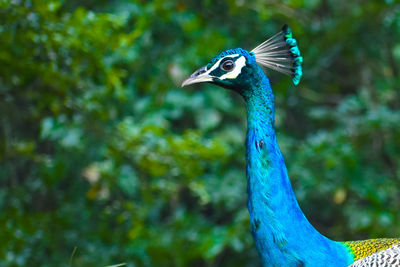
pixel 239 64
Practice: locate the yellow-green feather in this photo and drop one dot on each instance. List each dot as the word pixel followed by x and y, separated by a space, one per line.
pixel 363 248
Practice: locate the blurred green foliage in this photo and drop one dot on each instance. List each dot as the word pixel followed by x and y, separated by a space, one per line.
pixel 100 148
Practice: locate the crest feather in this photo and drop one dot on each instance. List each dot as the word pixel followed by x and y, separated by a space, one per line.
pixel 281 53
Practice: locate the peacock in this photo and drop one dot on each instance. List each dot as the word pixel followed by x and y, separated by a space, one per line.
pixel 282 234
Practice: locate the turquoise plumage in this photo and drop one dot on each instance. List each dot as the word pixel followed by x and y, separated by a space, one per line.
pixel 282 234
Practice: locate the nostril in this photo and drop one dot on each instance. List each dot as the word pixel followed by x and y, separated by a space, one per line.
pixel 199 71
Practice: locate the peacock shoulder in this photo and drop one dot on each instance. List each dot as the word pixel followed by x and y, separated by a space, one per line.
pixel 375 252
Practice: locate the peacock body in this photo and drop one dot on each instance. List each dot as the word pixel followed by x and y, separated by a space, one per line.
pixel 282 234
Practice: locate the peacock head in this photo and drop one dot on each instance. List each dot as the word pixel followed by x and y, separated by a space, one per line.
pixel 235 68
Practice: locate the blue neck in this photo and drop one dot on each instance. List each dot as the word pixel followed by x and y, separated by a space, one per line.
pixel 282 234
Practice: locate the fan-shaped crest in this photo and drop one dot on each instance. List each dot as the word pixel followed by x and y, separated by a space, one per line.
pixel 281 53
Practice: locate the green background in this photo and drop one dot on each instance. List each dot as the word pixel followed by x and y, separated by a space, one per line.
pixel 101 150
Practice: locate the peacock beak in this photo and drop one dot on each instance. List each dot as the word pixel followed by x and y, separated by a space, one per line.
pixel 199 76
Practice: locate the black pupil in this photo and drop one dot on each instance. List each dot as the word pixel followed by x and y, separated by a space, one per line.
pixel 228 65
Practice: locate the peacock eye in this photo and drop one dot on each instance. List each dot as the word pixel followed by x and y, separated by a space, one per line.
pixel 228 65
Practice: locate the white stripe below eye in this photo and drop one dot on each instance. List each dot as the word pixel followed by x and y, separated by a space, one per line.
pixel 216 65
pixel 239 64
